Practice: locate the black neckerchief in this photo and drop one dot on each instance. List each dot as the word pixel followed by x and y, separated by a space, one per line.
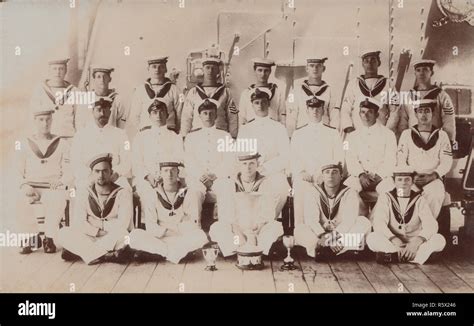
pixel 418 140
pixel 67 90
pixel 166 202
pixel 53 145
pixel 239 187
pixel 405 217
pixel 326 209
pixel 215 96
pixel 431 94
pixel 306 88
pixel 271 86
pixel 95 203
pixel 110 96
pixel 161 93
pixel 378 87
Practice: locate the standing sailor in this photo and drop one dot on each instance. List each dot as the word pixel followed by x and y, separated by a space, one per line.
pixel 277 111
pixel 101 78
pixel 43 172
pixel 313 86
pixel 156 86
pixel 443 109
pixel 227 118
pixel 61 93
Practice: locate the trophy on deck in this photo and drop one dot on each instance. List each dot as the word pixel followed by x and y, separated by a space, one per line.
pixel 210 252
pixel 288 221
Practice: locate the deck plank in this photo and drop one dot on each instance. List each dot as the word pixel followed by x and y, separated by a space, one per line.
pixel 104 278
pixel 45 277
pixel 228 278
pixel 413 279
pixel 319 277
pixel 445 279
pixel 381 277
pixel 74 279
pixel 463 269
pixel 130 283
pixel 166 278
pixel 259 281
pixel 350 277
pixel 288 281
pixel 21 274
pixel 195 278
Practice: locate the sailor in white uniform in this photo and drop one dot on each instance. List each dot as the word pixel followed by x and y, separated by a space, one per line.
pixel 172 226
pixel 331 222
pixel 405 230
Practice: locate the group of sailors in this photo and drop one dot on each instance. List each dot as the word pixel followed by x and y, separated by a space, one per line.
pixel 326 156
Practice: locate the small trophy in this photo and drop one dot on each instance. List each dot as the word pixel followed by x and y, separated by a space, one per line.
pixel 288 262
pixel 210 252
pixel 288 222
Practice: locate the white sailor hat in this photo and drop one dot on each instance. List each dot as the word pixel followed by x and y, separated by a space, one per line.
pixel 170 163
pixel 260 93
pixel 403 170
pixel 103 157
pixel 264 62
pixel 156 59
pixel 424 103
pixel 101 68
pixel 314 102
pixel 331 165
pixel 211 61
pixel 370 103
pixel 158 104
pixel 316 60
pixel 58 61
pixel 207 104
pixel 367 53
pixel 43 110
pixel 424 63
pixel 248 156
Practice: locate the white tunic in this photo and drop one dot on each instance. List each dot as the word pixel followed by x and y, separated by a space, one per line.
pixel 432 156
pixel 303 91
pixel 272 144
pixel 201 154
pixel 371 149
pixel 314 145
pixel 144 96
pixel 64 118
pixel 43 160
pixel 357 90
pixel 153 145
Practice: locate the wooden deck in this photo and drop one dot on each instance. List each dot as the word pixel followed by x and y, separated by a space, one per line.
pixel 39 272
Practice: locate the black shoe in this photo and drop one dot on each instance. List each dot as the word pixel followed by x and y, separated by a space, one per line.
pixel 25 250
pixel 32 243
pixel 69 256
pixel 146 257
pixel 49 246
pixel 121 256
pixel 386 258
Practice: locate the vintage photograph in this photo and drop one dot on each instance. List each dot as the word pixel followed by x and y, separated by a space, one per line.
pixel 237 146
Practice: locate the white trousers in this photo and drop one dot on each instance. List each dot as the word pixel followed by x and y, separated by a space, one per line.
pixel 174 247
pixel 221 232
pixel 90 248
pixel 354 239
pixel 377 242
pixel 52 206
pixel 434 193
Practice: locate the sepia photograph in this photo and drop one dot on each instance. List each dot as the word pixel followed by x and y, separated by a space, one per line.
pixel 300 147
